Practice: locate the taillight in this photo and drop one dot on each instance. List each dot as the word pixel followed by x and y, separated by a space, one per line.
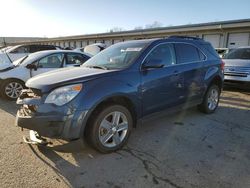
pixel 222 65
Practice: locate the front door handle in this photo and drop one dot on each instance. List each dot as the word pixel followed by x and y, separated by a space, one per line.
pixel 176 72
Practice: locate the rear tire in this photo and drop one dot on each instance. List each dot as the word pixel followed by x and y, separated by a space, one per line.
pixel 109 128
pixel 211 100
pixel 11 89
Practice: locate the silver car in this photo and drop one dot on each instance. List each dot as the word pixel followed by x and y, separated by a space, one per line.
pixel 237 66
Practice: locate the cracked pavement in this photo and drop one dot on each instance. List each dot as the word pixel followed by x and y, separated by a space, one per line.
pixel 185 149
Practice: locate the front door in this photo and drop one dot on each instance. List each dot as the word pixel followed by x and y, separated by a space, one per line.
pixel 48 63
pixel 161 88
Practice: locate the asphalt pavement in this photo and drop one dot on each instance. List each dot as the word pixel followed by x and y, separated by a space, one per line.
pixel 185 149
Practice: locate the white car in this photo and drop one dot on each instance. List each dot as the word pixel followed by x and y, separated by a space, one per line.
pixel 237 66
pixel 13 77
pixel 11 53
pixel 92 49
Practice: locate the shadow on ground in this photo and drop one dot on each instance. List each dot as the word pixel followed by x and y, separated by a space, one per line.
pixel 8 106
pixel 245 89
pixel 187 149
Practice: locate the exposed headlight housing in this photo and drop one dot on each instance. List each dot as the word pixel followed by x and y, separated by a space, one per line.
pixel 63 95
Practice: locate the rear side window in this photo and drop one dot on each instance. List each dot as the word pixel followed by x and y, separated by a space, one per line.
pixel 164 53
pixel 48 48
pixel 76 59
pixel 187 53
pixel 36 48
pixel 21 49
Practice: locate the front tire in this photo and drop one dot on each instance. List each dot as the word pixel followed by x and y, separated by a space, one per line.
pixel 109 128
pixel 210 100
pixel 11 89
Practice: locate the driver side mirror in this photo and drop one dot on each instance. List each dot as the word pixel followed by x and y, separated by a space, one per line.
pixel 31 66
pixel 153 64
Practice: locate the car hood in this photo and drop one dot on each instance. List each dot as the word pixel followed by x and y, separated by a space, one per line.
pixel 47 81
pixel 4 61
pixel 237 62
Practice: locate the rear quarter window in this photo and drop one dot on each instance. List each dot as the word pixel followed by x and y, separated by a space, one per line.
pixel 209 48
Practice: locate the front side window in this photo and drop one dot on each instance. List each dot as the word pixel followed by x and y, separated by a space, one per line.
pixel 51 61
pixel 75 59
pixel 187 53
pixel 118 56
pixel 163 53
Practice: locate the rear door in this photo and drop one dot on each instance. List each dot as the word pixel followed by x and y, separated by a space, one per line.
pixel 191 60
pixel 160 86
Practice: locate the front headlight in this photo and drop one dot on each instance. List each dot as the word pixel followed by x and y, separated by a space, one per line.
pixel 63 95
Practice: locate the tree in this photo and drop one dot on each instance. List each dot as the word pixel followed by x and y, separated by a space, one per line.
pixel 116 29
pixel 138 28
pixel 155 24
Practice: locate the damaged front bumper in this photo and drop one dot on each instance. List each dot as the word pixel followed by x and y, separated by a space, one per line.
pixel 34 138
pixel 49 120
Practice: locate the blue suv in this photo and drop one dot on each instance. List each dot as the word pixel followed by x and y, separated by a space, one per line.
pixel 101 101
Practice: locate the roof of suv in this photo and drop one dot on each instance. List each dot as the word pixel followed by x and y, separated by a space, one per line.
pixel 171 39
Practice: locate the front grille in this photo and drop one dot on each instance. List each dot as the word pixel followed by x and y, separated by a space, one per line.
pixel 235 74
pixel 237 71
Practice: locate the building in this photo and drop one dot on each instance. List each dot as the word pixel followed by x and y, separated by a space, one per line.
pixel 12 40
pixel 231 34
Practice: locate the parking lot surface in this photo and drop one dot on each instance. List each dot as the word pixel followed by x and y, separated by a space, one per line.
pixel 185 149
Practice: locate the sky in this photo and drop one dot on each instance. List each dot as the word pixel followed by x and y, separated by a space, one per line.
pixel 54 18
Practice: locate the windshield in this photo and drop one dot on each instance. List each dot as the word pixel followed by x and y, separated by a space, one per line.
pixel 6 48
pixel 240 53
pixel 118 56
pixel 28 58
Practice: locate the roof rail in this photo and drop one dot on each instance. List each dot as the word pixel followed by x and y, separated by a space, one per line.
pixel 184 37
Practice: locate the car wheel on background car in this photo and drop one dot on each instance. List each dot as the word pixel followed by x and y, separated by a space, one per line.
pixel 11 89
pixel 210 100
pixel 109 128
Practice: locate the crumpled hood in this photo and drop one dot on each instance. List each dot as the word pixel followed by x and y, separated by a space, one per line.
pixel 4 61
pixel 237 62
pixel 4 66
pixel 47 81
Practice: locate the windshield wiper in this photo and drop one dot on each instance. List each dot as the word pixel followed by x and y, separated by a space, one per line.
pixel 97 67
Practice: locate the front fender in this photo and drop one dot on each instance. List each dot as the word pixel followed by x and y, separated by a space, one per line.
pixel 99 90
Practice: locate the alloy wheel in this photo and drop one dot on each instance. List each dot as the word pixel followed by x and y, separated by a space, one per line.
pixel 13 90
pixel 213 99
pixel 113 129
